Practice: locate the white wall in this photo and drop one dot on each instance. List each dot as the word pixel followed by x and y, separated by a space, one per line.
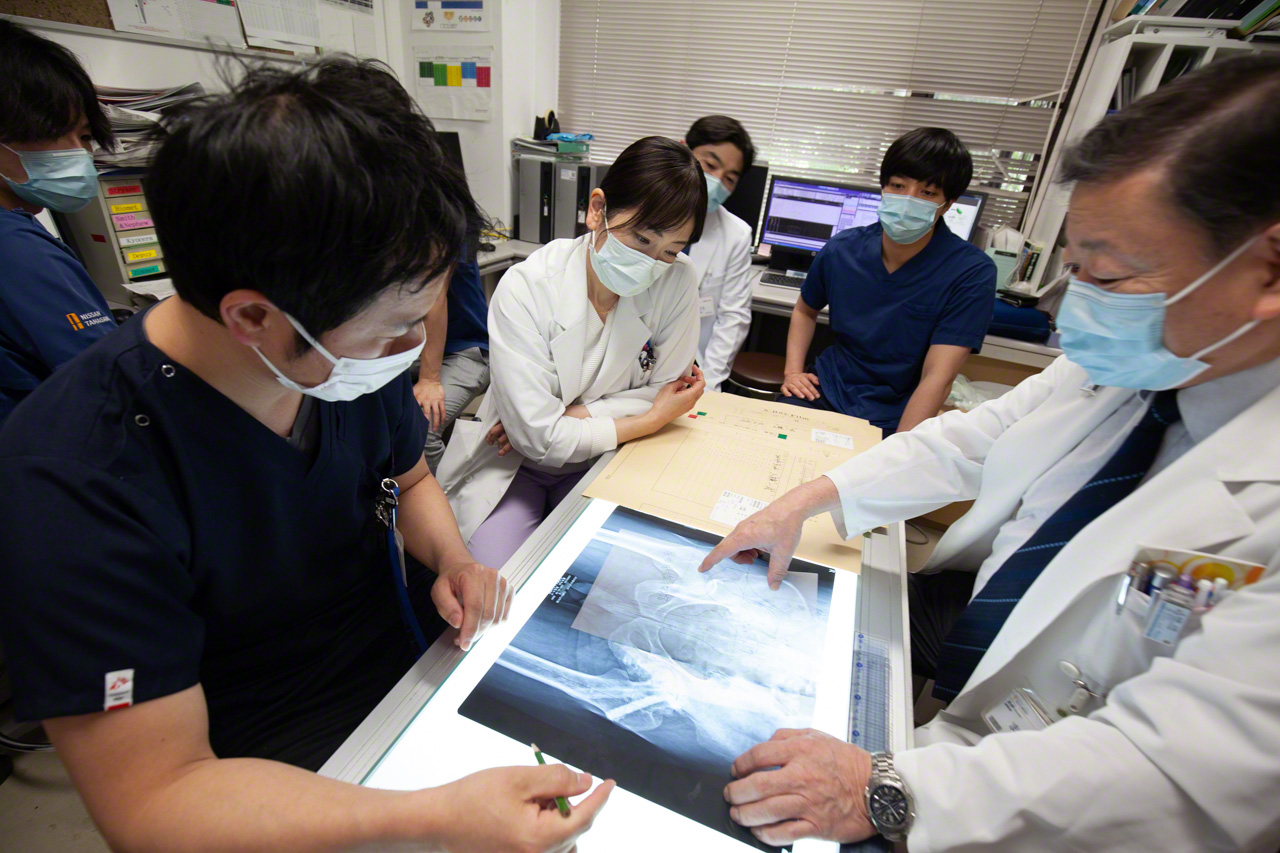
pixel 525 39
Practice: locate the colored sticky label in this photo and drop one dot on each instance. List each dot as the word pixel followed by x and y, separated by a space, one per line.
pixel 127 207
pixel 130 189
pixel 440 72
pixel 137 240
pixel 693 417
pixel 140 255
pixel 127 222
pixel 703 414
pixel 455 75
pixel 99 238
pixel 148 270
pixel 482 76
pixel 782 435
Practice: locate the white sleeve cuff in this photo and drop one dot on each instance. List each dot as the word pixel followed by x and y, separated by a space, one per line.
pixel 604 435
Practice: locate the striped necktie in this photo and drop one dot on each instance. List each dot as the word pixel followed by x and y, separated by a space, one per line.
pixel 973 633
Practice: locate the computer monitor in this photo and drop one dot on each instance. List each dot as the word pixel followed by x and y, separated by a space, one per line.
pixel 748 197
pixel 965 213
pixel 452 146
pixel 802 215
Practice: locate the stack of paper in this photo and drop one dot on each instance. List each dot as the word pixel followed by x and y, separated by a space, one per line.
pixel 134 114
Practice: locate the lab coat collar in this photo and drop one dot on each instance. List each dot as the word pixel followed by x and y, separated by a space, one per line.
pixel 1185 506
pixel 628 335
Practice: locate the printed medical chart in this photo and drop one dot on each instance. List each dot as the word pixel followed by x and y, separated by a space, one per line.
pixel 750 450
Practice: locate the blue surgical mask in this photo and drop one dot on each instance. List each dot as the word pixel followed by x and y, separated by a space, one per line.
pixel 906 218
pixel 1118 338
pixel 64 180
pixel 622 269
pixel 716 193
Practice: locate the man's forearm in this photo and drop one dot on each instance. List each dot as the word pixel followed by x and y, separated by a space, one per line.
pixel 251 804
pixel 925 402
pixel 430 531
pixel 799 337
pixel 437 328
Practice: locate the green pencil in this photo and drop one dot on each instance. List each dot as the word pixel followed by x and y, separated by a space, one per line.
pixel 561 803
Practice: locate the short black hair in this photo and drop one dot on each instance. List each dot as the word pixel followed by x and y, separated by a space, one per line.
pixel 44 90
pixel 934 155
pixel 660 182
pixel 1214 132
pixel 318 187
pixel 712 130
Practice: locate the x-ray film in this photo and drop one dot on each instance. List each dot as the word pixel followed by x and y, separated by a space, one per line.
pixel 629 664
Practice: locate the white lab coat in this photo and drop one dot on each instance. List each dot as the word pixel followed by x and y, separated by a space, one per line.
pixel 1185 753
pixel 537 334
pixel 723 259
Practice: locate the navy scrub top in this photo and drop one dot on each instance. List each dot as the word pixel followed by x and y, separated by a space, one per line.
pixel 885 322
pixel 50 310
pixel 153 525
pixel 468 311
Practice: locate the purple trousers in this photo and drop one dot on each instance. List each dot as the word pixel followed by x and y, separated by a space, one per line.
pixel 529 499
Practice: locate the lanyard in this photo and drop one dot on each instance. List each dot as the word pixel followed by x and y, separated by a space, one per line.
pixel 385 510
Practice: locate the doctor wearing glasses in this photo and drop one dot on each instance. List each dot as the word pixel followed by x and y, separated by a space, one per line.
pixel 1105 620
pixel 592 343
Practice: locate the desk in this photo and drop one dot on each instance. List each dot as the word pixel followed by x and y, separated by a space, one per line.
pixel 776 300
pixel 881 611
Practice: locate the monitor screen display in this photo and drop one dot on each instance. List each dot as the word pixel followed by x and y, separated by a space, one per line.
pixel 806 214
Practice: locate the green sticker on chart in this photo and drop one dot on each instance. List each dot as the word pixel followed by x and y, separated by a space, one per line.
pixel 782 435
pixel 702 414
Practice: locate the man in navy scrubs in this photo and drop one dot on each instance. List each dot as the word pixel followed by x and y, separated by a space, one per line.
pixel 455 361
pixel 908 299
pixel 199 596
pixel 50 310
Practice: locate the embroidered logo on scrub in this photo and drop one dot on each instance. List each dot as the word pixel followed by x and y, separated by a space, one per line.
pixel 118 690
pixel 93 318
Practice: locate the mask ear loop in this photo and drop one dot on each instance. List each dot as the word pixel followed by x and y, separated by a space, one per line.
pixel 1217 268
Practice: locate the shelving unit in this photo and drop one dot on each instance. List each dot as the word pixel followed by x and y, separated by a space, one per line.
pixel 1157 50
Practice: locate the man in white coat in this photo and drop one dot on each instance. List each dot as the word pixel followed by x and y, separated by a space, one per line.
pixel 723 254
pixel 1075 723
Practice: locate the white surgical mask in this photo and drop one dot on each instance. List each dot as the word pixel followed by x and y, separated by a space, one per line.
pixel 622 269
pixel 351 377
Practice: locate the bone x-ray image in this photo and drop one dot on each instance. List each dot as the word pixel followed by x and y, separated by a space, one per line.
pixel 638 668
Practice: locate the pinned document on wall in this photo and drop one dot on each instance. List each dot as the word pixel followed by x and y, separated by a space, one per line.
pixel 347 27
pixel 468 16
pixel 195 20
pixel 288 21
pixel 455 82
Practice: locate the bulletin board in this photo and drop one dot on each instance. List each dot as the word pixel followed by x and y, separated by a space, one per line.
pixel 86 13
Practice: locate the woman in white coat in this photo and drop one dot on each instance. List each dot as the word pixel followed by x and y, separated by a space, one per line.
pixel 592 343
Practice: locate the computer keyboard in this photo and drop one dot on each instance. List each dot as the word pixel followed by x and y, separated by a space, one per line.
pixel 782 279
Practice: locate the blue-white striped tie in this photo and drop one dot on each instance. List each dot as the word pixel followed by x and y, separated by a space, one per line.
pixel 973 633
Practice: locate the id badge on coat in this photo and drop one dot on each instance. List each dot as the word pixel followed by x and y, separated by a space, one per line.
pixel 706 307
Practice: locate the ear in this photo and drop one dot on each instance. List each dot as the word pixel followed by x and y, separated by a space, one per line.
pixel 251 318
pixel 1268 246
pixel 595 210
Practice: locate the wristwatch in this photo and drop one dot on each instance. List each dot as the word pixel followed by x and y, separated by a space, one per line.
pixel 890 807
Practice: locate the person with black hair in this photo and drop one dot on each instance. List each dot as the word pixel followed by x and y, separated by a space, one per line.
pixel 195 530
pixel 592 342
pixel 723 254
pixel 50 310
pixel 1088 707
pixel 908 299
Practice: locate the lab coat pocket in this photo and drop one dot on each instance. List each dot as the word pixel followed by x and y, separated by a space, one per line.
pixel 1115 647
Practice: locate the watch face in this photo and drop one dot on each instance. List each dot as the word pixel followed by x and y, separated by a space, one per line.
pixel 889 806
